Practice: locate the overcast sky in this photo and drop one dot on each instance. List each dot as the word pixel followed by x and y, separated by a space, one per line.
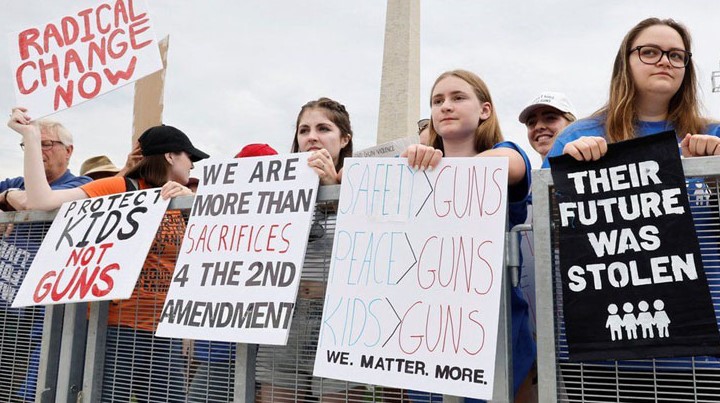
pixel 238 71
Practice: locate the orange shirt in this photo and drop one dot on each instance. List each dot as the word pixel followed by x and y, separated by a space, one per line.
pixel 142 310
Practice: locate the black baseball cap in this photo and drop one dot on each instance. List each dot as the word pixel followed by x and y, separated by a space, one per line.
pixel 167 139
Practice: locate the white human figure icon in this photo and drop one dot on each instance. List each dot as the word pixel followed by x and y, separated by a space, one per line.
pixel 629 321
pixel 645 320
pixel 614 323
pixel 661 318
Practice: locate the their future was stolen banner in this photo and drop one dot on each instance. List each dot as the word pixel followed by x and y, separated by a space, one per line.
pixel 94 249
pixel 239 266
pixel 415 276
pixel 81 55
pixel 632 274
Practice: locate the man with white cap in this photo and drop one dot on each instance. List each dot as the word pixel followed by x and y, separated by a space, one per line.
pixel 545 116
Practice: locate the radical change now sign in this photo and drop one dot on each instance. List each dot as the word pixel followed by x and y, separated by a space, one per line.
pixel 94 249
pixel 81 55
pixel 414 284
pixel 632 274
pixel 239 266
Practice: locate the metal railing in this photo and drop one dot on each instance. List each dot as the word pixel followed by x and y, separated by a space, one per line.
pixel 75 356
pixel 662 380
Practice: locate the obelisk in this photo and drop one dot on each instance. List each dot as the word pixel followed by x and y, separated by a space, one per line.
pixel 400 84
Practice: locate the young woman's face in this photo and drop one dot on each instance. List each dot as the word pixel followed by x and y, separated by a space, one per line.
pixel 543 125
pixel 455 109
pixel 660 79
pixel 180 166
pixel 316 132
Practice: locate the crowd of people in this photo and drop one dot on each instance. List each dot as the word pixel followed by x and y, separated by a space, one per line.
pixel 653 88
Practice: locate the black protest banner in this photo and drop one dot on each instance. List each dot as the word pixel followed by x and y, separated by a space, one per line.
pixel 633 280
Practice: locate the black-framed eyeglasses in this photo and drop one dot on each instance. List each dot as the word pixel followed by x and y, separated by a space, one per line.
pixel 423 124
pixel 45 144
pixel 651 54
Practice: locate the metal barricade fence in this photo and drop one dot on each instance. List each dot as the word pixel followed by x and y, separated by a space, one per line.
pixel 75 356
pixel 661 380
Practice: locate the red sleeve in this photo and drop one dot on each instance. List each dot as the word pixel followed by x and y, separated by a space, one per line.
pixel 104 186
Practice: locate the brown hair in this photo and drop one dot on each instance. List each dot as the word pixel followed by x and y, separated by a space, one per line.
pixel 154 169
pixel 336 113
pixel 620 112
pixel 488 132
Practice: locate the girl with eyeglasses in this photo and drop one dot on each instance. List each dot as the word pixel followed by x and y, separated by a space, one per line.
pixel 653 89
pixel 464 123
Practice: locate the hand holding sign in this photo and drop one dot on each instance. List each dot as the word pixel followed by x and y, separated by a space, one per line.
pixel 422 157
pixel 586 148
pixel 699 145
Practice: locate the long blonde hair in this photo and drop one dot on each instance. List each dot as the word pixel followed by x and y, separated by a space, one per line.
pixel 620 112
pixel 488 132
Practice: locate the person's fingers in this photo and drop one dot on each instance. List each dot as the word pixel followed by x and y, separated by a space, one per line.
pixel 602 146
pixel 427 159
pixel 572 150
pixel 685 145
pixel 435 160
pixel 586 148
pixel 412 155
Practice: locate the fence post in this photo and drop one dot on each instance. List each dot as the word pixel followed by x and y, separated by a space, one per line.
pixel 245 373
pixel 72 352
pixel 95 352
pixel 544 290
pixel 49 354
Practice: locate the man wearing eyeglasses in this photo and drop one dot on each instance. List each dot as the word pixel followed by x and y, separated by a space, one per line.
pixel 57 148
pixel 20 343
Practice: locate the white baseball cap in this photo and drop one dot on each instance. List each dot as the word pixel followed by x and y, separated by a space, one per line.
pixel 557 100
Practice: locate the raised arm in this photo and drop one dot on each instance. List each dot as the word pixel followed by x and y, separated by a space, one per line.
pixel 39 194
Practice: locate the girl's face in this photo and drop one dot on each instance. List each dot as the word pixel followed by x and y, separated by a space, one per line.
pixel 316 132
pixel 659 79
pixel 543 125
pixel 456 110
pixel 180 166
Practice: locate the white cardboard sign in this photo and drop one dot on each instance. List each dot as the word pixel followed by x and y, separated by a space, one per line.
pixel 239 267
pixel 81 55
pixel 414 285
pixel 94 249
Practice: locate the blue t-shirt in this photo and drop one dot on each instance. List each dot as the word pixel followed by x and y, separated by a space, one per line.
pixel 594 127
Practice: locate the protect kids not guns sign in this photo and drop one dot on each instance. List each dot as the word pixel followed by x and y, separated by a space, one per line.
pixel 415 276
pixel 94 249
pixel 633 280
pixel 239 266
pixel 82 55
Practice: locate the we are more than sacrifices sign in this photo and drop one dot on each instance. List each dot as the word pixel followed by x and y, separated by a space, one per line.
pixel 94 249
pixel 239 267
pixel 415 277
pixel 632 274
pixel 81 55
